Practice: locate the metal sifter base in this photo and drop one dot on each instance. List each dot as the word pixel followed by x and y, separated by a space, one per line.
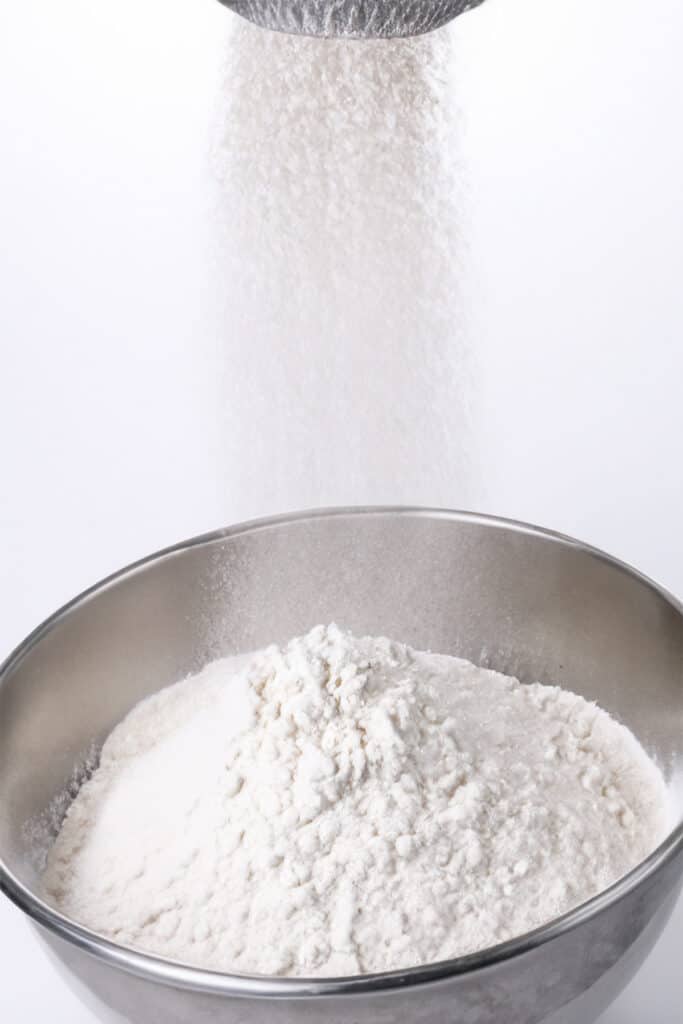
pixel 354 19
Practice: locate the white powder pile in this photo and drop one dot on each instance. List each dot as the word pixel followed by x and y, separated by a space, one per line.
pixel 341 335
pixel 345 805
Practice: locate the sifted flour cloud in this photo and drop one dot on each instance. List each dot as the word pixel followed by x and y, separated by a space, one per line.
pixel 346 375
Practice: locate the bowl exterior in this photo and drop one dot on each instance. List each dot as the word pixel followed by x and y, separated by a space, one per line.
pixel 569 980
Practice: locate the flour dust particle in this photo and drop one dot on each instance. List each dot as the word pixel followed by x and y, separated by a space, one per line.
pixel 345 373
pixel 346 805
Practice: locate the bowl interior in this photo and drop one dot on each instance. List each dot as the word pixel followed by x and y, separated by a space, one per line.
pixel 506 596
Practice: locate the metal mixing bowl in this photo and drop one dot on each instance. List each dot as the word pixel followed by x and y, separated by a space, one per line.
pixel 510 596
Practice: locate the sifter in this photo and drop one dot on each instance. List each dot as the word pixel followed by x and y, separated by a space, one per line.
pixel 354 19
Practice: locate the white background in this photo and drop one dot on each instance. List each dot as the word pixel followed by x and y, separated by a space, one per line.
pixel 572 155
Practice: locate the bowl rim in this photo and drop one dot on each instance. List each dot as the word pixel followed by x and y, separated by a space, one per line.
pixel 180 975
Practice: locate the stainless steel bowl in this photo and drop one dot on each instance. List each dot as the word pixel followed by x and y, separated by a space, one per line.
pixel 352 19
pixel 506 595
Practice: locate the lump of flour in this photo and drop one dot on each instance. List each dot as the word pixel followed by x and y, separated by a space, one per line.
pixel 346 805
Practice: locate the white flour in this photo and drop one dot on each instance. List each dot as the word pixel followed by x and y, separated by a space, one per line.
pixel 338 189
pixel 348 805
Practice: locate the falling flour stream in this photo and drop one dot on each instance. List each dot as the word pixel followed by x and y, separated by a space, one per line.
pixel 345 372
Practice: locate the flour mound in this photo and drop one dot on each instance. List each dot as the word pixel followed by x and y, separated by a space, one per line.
pixel 348 805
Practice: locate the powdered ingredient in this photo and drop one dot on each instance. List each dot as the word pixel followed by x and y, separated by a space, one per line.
pixel 344 805
pixel 340 267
